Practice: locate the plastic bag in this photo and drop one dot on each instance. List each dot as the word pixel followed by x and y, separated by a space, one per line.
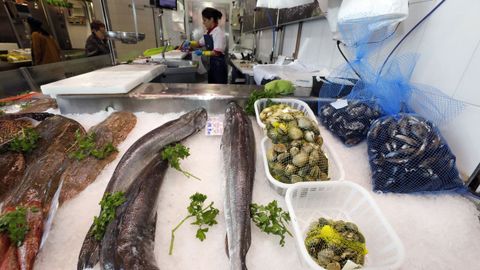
pixel 407 154
pixel 282 3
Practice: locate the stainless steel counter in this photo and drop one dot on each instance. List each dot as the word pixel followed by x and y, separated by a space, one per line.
pixel 165 98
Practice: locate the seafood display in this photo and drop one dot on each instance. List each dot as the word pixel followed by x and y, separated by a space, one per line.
pixel 137 157
pixel 40 181
pixel 333 243
pixel 296 154
pixel 134 235
pixel 39 105
pixel 83 172
pixel 407 154
pixel 238 148
pixel 285 124
pixel 12 167
pixel 39 116
pixel 350 123
pixel 297 161
pixel 10 128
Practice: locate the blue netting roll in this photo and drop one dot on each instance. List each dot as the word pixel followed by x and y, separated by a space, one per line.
pixel 407 154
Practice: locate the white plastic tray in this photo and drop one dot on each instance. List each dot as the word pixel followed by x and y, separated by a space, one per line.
pixel 335 169
pixel 344 200
pixel 294 103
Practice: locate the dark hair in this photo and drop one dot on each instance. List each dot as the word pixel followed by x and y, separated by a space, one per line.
pixel 36 26
pixel 212 13
pixel 95 25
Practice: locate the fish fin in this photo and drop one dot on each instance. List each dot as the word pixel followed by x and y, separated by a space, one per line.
pixel 226 246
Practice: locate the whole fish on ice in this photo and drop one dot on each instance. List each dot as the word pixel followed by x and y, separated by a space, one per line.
pixel 238 148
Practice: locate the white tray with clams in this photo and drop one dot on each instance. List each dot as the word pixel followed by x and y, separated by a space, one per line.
pixel 346 201
pixel 293 150
pixel 335 169
pixel 293 103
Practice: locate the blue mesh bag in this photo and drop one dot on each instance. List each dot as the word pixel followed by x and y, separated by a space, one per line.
pixel 407 153
pixel 351 123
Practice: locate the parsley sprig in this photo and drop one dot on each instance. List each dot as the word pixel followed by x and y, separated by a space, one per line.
pixel 254 96
pixel 271 219
pixel 14 224
pixel 173 154
pixel 25 141
pixel 204 217
pixel 109 204
pixel 86 146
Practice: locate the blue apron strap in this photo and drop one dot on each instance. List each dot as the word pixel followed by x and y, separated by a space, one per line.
pixel 208 42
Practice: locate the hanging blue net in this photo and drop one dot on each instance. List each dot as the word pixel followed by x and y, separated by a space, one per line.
pixel 407 153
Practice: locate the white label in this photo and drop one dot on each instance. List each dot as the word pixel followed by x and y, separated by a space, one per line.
pixel 214 126
pixel 340 103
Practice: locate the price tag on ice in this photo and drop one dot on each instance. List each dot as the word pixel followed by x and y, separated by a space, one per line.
pixel 340 103
pixel 214 126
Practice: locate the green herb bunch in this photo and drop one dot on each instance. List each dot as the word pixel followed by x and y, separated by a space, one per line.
pixel 109 204
pixel 254 96
pixel 25 141
pixel 25 105
pixel 204 217
pixel 173 154
pixel 14 224
pixel 86 146
pixel 271 219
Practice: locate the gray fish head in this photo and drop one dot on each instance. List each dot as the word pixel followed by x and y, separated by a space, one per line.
pixel 232 108
pixel 198 115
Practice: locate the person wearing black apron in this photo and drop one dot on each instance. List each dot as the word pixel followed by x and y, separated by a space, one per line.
pixel 215 43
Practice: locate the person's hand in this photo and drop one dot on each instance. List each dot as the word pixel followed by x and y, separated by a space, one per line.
pixel 198 52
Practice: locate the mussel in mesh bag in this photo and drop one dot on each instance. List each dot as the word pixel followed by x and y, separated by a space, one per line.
pixel 297 161
pixel 407 154
pixel 333 243
pixel 350 123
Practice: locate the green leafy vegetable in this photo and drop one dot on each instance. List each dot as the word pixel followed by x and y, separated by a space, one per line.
pixel 86 146
pixel 271 219
pixel 2 112
pixel 204 217
pixel 173 154
pixel 24 142
pixel 15 225
pixel 272 89
pixel 109 204
pixel 254 96
pixel 25 105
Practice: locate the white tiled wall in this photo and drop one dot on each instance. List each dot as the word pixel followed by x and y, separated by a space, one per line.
pixel 264 45
pixel 449 46
pixel 290 39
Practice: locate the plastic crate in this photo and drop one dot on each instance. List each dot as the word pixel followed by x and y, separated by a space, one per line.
pixel 294 103
pixel 344 200
pixel 335 169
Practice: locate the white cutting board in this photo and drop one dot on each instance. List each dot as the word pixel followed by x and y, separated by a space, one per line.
pixel 172 55
pixel 118 79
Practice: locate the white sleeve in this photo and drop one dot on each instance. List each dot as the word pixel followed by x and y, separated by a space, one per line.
pixel 201 42
pixel 219 41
